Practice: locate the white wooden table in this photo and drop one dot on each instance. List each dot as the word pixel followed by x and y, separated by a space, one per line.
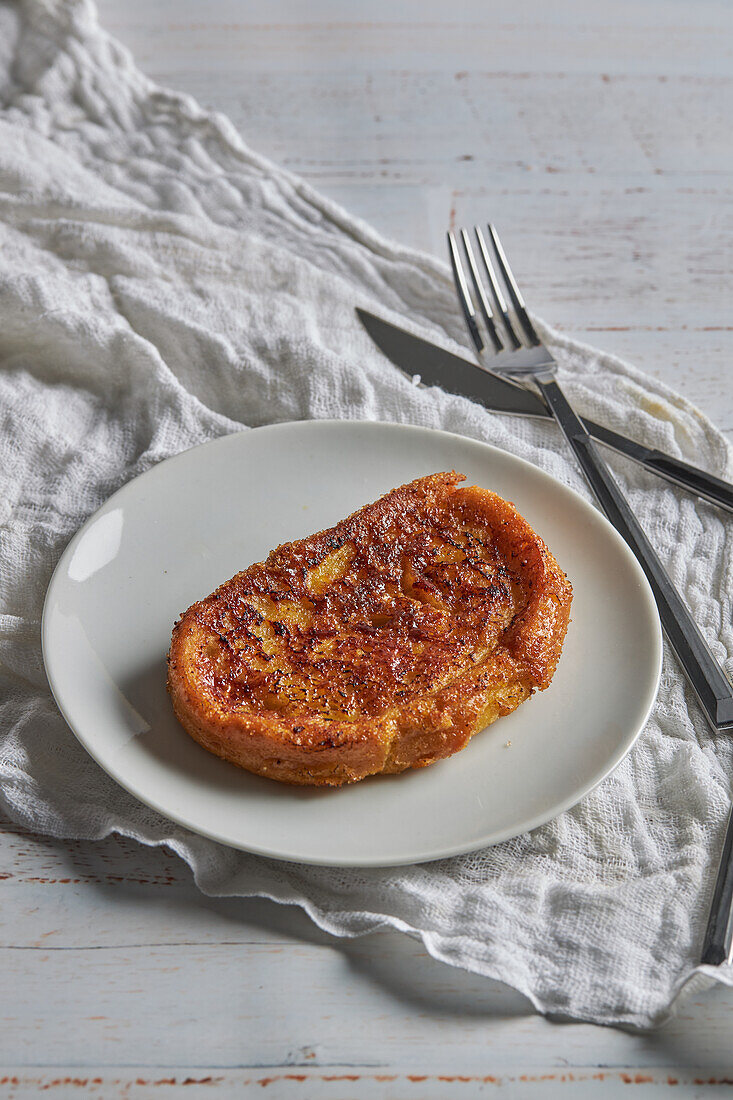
pixel 598 137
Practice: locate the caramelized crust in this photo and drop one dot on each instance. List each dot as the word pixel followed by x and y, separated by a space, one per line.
pixel 381 644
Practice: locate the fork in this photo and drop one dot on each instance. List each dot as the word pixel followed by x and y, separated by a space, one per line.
pixel 519 352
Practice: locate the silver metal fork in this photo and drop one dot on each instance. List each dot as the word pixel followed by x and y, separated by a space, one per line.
pixel 519 352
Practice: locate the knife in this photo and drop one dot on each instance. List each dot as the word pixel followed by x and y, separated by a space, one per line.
pixel 438 367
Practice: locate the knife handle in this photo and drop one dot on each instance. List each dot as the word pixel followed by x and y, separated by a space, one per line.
pixel 707 486
pixel 692 478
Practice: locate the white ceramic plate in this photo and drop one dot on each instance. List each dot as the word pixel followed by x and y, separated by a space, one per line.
pixel 171 536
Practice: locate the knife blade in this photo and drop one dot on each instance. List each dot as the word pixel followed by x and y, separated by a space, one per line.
pixel 438 367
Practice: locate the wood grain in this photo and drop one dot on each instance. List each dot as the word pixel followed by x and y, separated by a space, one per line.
pixel 120 968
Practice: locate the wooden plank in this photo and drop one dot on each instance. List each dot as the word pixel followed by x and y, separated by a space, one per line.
pixel 571 35
pixel 28 857
pixel 358 1004
pixel 115 959
pixel 356 1083
pixel 466 127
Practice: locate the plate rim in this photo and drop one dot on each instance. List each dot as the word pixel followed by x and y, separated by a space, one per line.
pixel 448 851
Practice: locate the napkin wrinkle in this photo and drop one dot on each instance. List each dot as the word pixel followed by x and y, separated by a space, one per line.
pixel 163 285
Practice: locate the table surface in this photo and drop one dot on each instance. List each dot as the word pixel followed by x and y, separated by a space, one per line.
pixel 597 136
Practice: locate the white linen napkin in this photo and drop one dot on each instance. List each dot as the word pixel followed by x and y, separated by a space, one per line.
pixel 160 285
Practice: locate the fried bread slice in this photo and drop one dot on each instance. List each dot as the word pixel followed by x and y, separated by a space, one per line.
pixel 380 644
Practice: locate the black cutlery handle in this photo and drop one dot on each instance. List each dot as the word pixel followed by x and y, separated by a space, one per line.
pixel 692 478
pixel 703 671
pixel 719 933
pixel 689 477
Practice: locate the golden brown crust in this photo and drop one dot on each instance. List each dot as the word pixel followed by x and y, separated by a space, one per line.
pixel 380 644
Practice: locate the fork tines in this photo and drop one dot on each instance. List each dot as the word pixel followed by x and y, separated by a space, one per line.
pixel 516 331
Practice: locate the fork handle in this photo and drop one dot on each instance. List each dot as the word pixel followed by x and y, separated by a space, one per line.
pixel 712 687
pixel 718 943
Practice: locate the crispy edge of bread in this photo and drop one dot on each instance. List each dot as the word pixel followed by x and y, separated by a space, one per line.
pixel 426 729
